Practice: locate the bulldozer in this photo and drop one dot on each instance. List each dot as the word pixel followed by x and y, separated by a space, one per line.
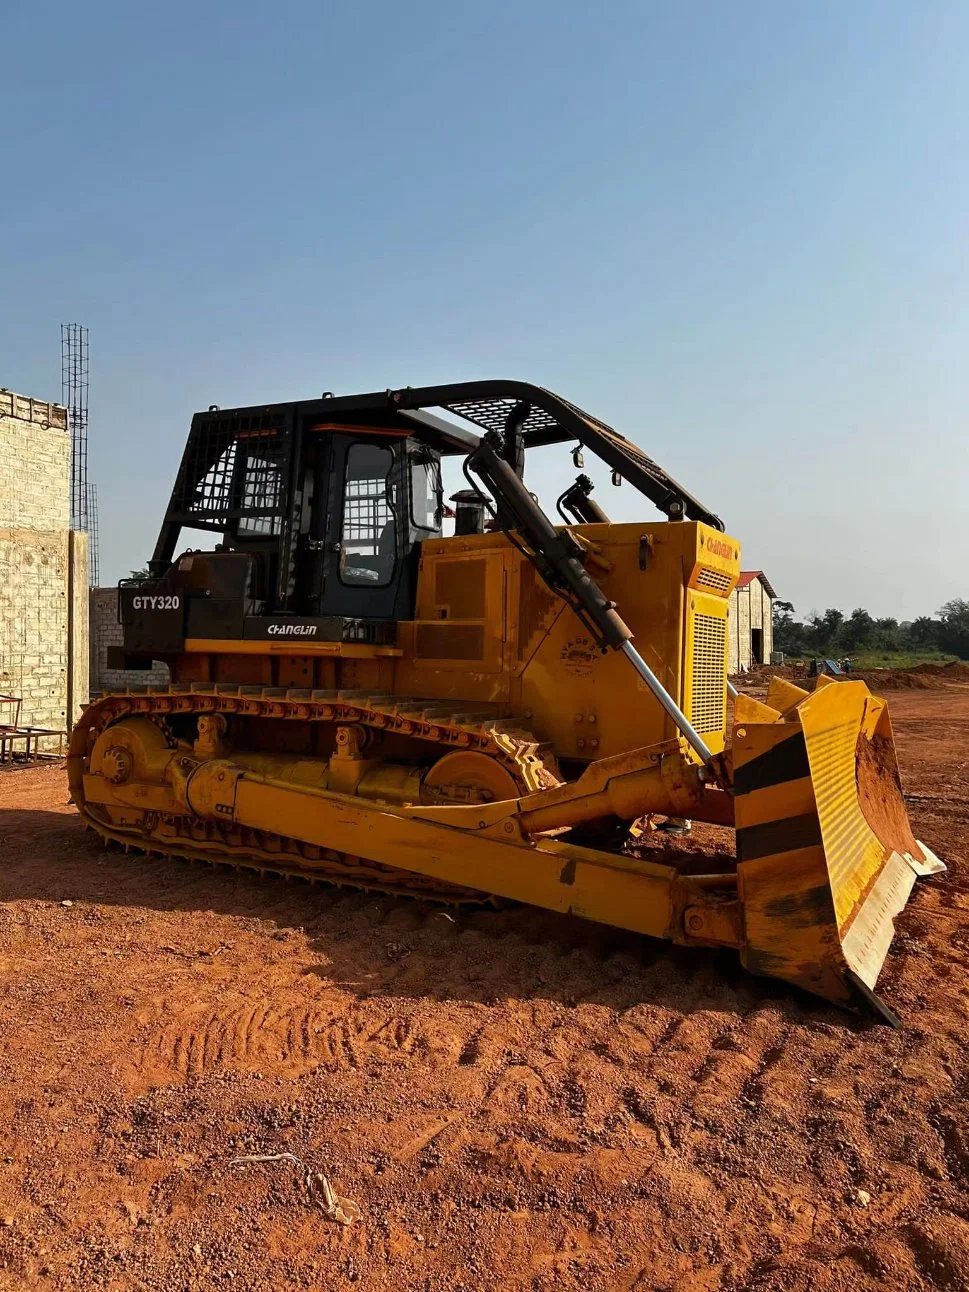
pixel 357 698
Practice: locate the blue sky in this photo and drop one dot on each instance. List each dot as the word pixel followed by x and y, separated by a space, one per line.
pixel 737 231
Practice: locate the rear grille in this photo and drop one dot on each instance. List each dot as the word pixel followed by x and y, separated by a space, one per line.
pixel 709 702
pixel 715 579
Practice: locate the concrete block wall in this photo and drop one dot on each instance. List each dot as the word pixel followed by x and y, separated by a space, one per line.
pixel 750 608
pixel 41 566
pixel 106 631
pixel 738 630
pixel 767 622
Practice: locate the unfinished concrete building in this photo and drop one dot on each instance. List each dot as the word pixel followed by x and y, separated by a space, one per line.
pixel 751 621
pixel 43 570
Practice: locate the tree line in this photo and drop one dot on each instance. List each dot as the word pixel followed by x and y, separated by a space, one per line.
pixel 834 633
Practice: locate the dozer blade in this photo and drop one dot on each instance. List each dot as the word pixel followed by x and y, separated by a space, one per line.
pixel 826 856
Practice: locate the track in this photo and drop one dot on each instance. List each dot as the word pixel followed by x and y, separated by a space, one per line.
pixel 434 728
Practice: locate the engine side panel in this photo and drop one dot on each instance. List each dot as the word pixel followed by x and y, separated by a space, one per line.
pixel 488 629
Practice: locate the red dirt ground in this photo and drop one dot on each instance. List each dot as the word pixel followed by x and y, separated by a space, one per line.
pixel 515 1100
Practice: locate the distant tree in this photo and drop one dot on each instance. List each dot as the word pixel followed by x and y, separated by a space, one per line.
pixel 831 633
pixel 923 631
pixel 953 632
pixel 789 635
pixel 140 576
pixel 858 631
pixel 824 631
pixel 887 635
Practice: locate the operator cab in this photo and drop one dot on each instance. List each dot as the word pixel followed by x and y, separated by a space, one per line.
pixel 316 526
pixel 318 508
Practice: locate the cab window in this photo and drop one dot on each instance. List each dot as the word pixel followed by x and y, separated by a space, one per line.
pixel 260 473
pixel 368 542
pixel 425 491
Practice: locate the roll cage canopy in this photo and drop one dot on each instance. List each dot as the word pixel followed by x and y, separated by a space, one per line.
pixel 203 493
pixel 543 418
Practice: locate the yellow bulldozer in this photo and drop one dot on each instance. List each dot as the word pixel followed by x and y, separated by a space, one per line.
pixel 357 698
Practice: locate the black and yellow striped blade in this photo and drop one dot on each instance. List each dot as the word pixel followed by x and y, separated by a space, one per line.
pixel 826 856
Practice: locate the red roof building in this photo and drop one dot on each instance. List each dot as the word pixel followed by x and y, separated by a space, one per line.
pixel 747 577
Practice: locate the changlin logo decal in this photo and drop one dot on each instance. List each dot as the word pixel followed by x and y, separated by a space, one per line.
pixel 291 630
pixel 720 547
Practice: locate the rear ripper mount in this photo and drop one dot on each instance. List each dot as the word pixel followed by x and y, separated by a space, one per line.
pixel 330 517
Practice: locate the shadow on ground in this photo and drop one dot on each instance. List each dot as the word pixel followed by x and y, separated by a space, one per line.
pixel 382 945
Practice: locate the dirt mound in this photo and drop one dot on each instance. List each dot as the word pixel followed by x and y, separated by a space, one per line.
pixel 879 680
pixel 921 677
pixel 954 671
pixel 899 679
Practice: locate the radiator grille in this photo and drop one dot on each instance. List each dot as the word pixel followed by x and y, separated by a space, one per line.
pixel 715 579
pixel 709 702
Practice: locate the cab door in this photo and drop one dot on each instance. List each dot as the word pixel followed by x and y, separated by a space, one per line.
pixel 366 527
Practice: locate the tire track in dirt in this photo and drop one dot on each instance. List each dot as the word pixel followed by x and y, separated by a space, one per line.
pixel 297 1038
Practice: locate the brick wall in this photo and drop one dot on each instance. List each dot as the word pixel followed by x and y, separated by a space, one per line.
pixel 39 564
pixel 106 631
